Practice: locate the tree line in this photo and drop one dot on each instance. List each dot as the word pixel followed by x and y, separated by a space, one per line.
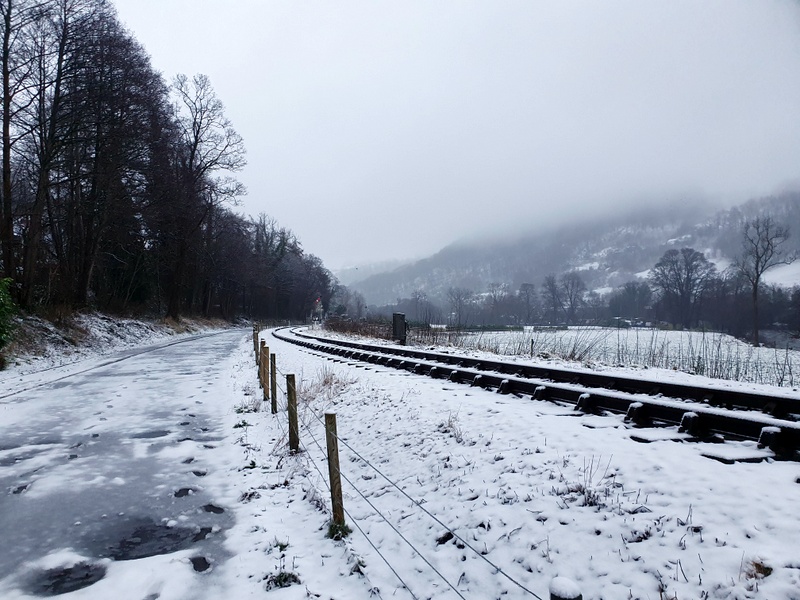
pixel 683 290
pixel 118 189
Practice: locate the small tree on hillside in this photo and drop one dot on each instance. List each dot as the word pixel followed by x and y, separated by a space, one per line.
pixel 762 248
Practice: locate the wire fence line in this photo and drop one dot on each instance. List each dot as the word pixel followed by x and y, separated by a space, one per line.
pixel 389 523
pixel 349 516
pixel 353 520
pixel 418 505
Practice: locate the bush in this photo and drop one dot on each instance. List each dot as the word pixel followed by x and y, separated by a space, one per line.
pixel 7 311
pixel 376 328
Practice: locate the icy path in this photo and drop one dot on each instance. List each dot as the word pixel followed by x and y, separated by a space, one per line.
pixel 112 454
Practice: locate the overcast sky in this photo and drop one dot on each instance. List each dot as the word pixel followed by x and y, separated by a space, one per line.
pixel 379 130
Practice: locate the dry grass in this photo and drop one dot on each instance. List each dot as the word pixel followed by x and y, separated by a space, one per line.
pixel 374 329
pixel 713 355
pixel 327 385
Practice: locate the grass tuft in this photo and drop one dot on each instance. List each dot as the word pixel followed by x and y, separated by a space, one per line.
pixel 338 531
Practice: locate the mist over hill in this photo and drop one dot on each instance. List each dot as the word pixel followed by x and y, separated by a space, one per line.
pixel 350 275
pixel 606 252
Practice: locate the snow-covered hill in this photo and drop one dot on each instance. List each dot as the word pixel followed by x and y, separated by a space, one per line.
pixel 607 254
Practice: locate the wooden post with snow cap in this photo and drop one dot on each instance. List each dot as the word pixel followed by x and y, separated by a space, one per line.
pixel 273 382
pixel 291 398
pixel 562 588
pixel 337 506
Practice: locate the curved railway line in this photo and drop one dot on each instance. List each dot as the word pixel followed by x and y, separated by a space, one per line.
pixel 704 413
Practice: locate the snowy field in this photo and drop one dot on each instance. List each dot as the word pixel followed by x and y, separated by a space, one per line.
pixel 457 492
pixel 713 355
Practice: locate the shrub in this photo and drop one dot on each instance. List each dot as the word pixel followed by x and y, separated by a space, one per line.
pixel 7 311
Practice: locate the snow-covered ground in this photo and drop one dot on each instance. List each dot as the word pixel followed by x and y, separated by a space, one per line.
pixel 456 491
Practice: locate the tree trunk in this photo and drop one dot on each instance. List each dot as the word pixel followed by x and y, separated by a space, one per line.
pixel 755 314
pixel 7 221
pixel 34 240
pixel 176 289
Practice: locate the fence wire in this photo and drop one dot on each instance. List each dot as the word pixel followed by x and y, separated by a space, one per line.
pixel 431 515
pixel 355 522
pixel 389 523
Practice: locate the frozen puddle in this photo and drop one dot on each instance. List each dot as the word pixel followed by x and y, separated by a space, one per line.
pixel 104 506
pixel 140 538
pixel 129 539
pixel 63 579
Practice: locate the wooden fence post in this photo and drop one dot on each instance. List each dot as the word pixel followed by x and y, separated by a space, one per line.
pixel 337 505
pixel 260 363
pixel 255 341
pixel 265 371
pixel 273 380
pixel 291 397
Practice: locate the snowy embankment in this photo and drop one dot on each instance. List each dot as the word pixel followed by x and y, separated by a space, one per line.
pixel 40 344
pixel 455 491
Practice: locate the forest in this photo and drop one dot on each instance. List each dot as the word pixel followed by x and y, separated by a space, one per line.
pixel 119 188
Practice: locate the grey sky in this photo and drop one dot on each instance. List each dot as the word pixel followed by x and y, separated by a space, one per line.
pixel 379 130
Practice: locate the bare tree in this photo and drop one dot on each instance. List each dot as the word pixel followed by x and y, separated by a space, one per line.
pixel 572 291
pixel 682 276
pixel 15 66
pixel 551 295
pixel 497 294
pixel 762 248
pixel 51 43
pixel 459 300
pixel 209 145
pixel 631 300
pixel 597 306
pixel 420 301
pixel 528 302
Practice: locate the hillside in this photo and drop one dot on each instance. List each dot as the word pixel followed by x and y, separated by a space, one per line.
pixel 607 253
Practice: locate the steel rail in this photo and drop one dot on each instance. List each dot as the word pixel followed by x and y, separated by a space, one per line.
pixel 705 413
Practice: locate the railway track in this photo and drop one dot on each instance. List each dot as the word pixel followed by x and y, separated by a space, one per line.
pixel 704 413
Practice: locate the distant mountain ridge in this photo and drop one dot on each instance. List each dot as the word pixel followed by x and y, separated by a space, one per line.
pixel 607 254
